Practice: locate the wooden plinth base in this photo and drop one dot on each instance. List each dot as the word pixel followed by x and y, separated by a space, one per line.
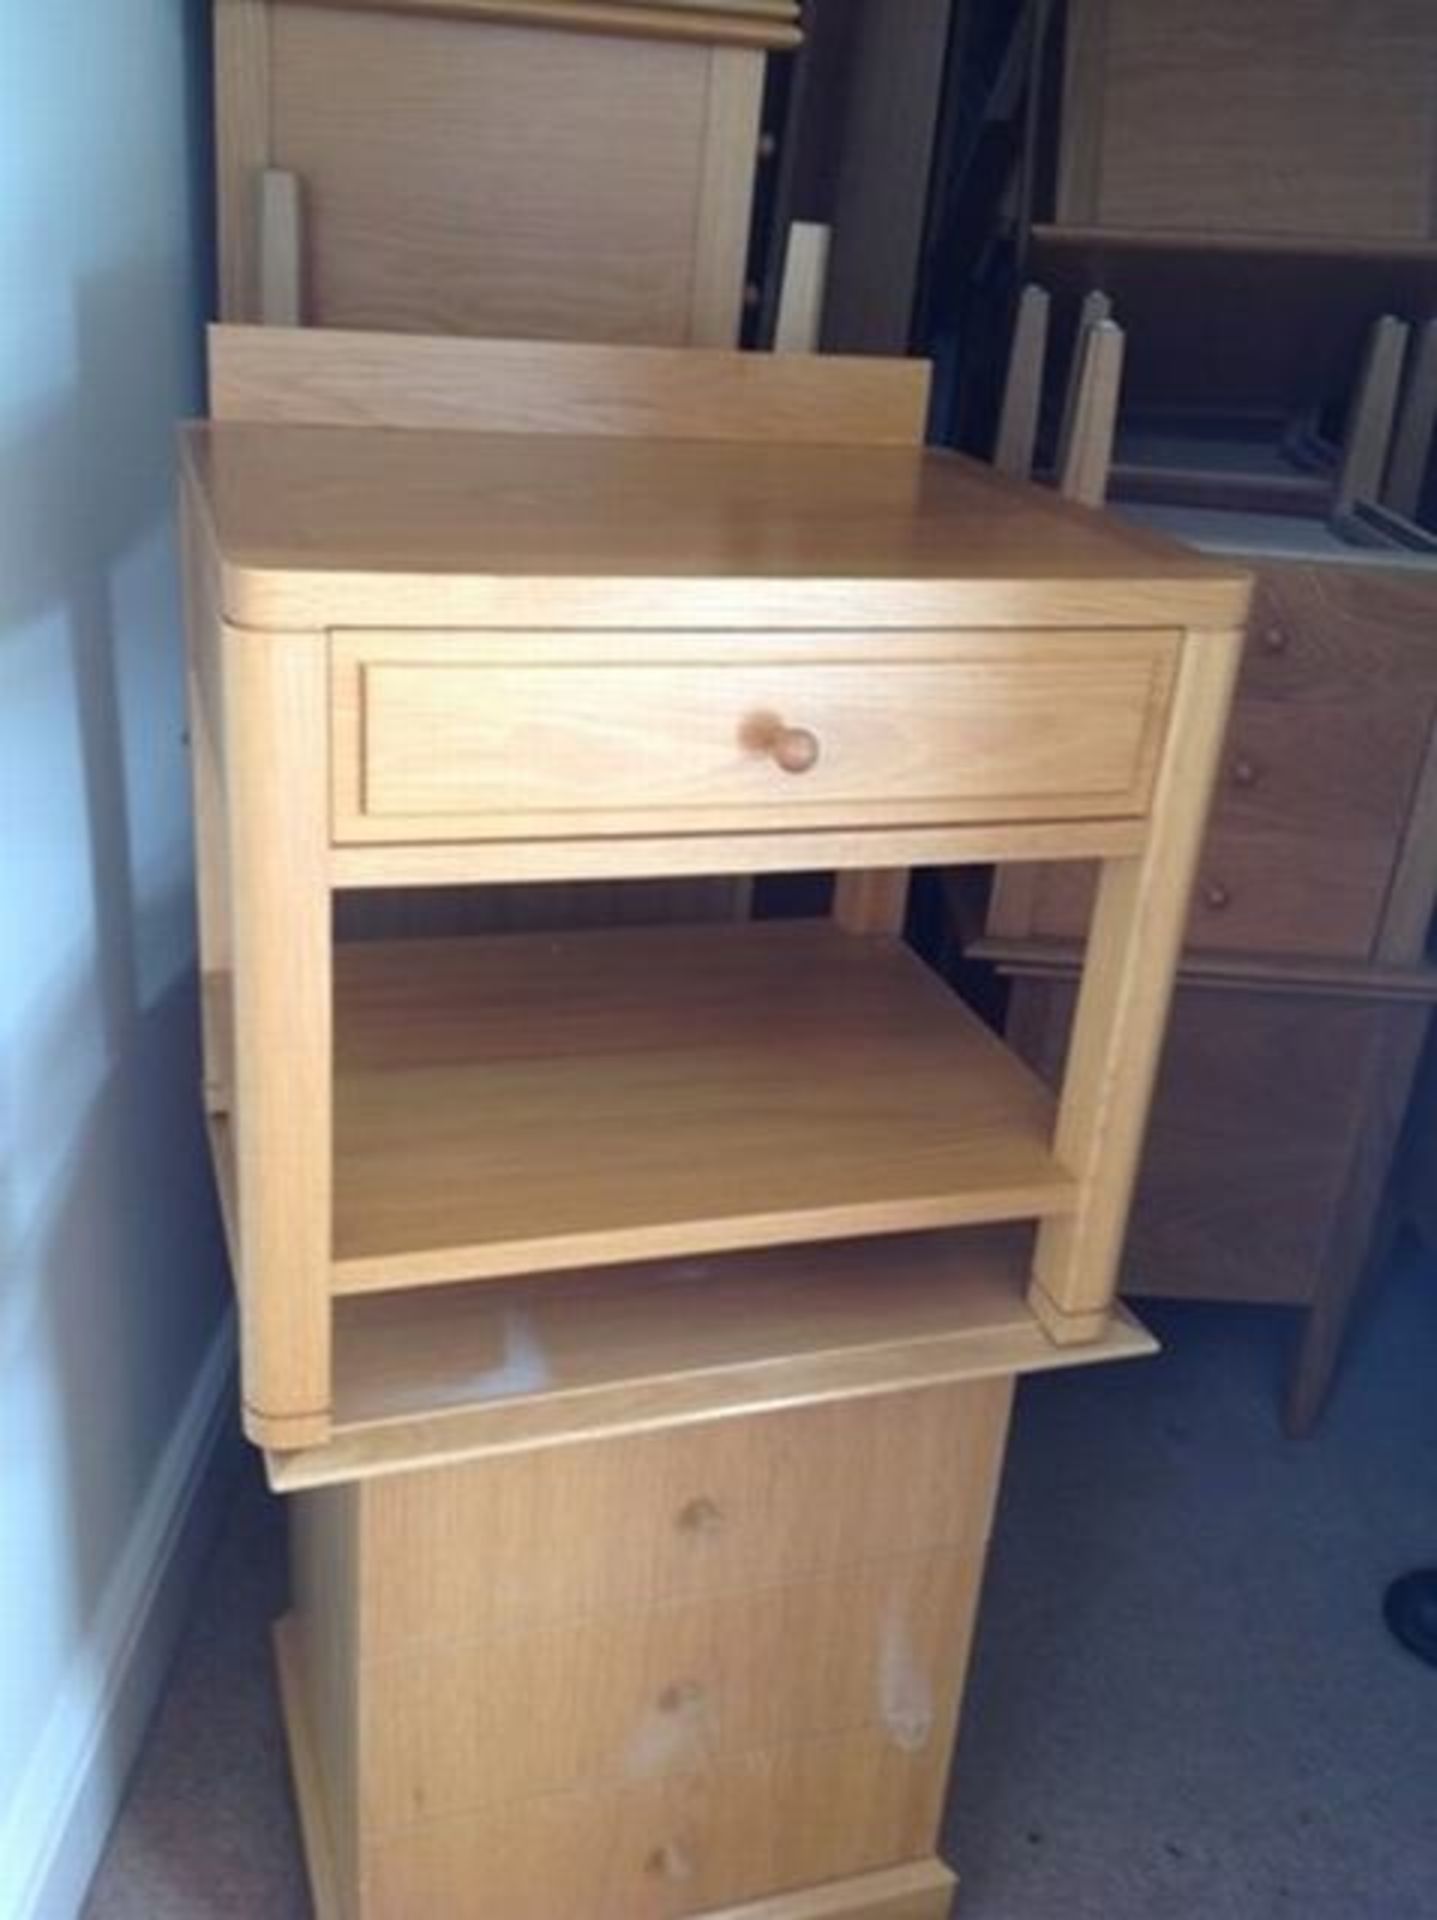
pixel 921 1890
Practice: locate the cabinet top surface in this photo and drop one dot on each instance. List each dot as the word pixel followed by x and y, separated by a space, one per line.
pixel 332 526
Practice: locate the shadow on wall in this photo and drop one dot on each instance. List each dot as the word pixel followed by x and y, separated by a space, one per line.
pixel 111 1260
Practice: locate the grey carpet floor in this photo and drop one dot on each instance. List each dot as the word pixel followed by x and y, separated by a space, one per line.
pixel 1183 1701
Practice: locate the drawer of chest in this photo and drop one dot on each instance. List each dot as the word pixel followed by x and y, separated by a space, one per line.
pixel 754 1824
pixel 455 736
pixel 1317 895
pixel 634 1696
pixel 1307 821
pixel 567 1533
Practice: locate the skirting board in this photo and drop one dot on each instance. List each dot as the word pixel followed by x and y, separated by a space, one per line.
pixel 55 1828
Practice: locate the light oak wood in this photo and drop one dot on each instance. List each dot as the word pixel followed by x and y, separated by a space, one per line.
pixel 1173 118
pixel 348 379
pixel 274 687
pixel 531 1104
pixel 742 23
pixel 481 171
pixel 318 1646
pixel 875 901
pixel 926 519
pixel 311 1793
pixel 476 1725
pixel 398 868
pixel 436 1375
pixel 281 249
pixel 335 527
pixel 1017 435
pixel 541 1540
pixel 769 1644
pixel 725 194
pixel 1094 309
pixel 206 744
pixel 1367 436
pixel 784 1816
pixel 325 377
pixel 1085 455
pixel 481 863
pixel 805 278
pixel 513 735
pixel 1122 1006
pixel 242 145
pixel 923 1891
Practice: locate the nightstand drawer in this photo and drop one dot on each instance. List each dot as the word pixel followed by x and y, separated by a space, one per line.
pixel 570 1533
pixel 636 1696
pixel 504 735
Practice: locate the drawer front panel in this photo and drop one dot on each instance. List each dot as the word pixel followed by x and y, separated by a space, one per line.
pixel 757 1823
pixel 1307 821
pixel 562 1534
pixel 631 1697
pixel 1321 897
pixel 445 737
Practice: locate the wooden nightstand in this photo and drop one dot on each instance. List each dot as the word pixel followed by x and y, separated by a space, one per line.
pixel 634 1312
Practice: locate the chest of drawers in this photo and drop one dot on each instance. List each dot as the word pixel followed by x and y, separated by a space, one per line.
pixel 1304 994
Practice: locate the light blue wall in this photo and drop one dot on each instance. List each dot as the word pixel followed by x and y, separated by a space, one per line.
pixel 111 1275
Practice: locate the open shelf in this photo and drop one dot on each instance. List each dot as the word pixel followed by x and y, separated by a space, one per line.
pixel 528 1103
pixel 1234 323
pixel 450 1373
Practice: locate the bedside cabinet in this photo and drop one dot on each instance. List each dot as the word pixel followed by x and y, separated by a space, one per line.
pixel 632 1313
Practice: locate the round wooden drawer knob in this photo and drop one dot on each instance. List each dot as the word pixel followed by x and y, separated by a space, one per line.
pixel 1245 772
pixel 1216 896
pixel 669 1862
pixel 700 1516
pixel 794 749
pixel 1274 639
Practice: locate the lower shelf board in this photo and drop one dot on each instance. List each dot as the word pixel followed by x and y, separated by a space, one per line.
pixel 530 1103
pixel 448 1373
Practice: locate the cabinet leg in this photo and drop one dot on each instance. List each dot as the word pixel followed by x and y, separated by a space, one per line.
pixel 1123 1004
pixel 1364 1229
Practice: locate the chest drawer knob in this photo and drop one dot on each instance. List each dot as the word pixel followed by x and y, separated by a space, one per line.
pixel 1274 638
pixel 1245 772
pixel 700 1517
pixel 1215 895
pixel 682 1697
pixel 795 749
pixel 669 1862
